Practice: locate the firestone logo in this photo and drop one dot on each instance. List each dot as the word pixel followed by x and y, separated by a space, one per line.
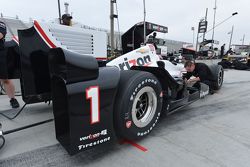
pixel 95 143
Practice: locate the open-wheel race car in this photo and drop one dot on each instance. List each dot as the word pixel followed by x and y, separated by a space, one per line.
pixel 239 61
pixel 93 102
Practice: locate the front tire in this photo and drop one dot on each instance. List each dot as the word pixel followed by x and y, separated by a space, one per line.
pixel 138 105
pixel 218 73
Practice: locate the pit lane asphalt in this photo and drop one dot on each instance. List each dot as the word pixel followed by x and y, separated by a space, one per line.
pixel 211 132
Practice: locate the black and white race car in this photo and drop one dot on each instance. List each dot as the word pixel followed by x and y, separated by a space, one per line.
pixel 94 103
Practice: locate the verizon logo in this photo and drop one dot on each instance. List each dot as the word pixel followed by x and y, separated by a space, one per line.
pixel 141 61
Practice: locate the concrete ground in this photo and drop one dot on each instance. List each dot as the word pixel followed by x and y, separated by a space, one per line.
pixel 211 132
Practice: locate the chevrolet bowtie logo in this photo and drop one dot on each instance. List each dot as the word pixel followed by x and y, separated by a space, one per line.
pixel 142 51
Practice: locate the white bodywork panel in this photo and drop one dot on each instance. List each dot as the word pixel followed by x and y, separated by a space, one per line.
pixel 78 40
pixel 145 56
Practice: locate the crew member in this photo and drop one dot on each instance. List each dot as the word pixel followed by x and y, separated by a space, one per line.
pixel 230 51
pixel 200 73
pixel 8 85
pixel 152 39
pixel 222 49
pixel 66 20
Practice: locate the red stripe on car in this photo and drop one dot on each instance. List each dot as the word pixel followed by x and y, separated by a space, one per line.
pixel 44 36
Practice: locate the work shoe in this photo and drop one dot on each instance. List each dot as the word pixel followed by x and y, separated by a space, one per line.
pixel 14 103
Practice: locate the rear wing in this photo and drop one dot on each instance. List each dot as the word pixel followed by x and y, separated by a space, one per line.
pixel 35 44
pixel 78 40
pixel 209 42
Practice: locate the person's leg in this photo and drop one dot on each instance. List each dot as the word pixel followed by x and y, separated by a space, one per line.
pixel 10 91
pixel 9 88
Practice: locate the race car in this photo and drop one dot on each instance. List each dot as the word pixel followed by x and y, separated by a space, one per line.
pixel 94 103
pixel 236 61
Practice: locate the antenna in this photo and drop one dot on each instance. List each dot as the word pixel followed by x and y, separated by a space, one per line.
pixel 144 22
pixel 66 4
pixel 215 7
pixel 59 11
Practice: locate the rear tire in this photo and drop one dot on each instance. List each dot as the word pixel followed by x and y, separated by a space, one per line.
pixel 138 105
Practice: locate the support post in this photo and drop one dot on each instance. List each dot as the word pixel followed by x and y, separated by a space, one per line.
pixel 112 43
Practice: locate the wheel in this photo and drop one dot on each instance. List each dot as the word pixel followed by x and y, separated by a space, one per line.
pixel 138 106
pixel 218 73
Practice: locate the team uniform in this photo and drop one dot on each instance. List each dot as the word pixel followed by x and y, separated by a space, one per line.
pixel 2 31
pixel 13 102
pixel 204 73
pixel 2 52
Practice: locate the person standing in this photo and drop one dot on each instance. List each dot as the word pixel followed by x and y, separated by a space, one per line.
pixel 222 49
pixel 66 20
pixel 8 85
pixel 152 40
pixel 230 51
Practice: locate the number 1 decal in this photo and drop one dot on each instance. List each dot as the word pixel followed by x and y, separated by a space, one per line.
pixel 93 93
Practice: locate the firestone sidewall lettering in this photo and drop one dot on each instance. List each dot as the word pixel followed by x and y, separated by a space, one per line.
pixel 150 129
pixel 140 85
pixel 127 115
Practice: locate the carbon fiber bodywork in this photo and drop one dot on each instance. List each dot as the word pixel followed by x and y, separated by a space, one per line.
pixel 72 110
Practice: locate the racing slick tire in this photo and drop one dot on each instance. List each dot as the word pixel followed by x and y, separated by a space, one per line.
pixel 138 105
pixel 218 73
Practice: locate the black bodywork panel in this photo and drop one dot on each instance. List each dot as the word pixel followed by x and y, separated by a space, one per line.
pixel 10 61
pixel 72 109
pixel 35 79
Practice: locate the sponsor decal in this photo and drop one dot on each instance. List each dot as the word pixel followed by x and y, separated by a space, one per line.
pixel 142 51
pixel 140 61
pixel 128 124
pixel 80 147
pixel 95 135
pixel 204 93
